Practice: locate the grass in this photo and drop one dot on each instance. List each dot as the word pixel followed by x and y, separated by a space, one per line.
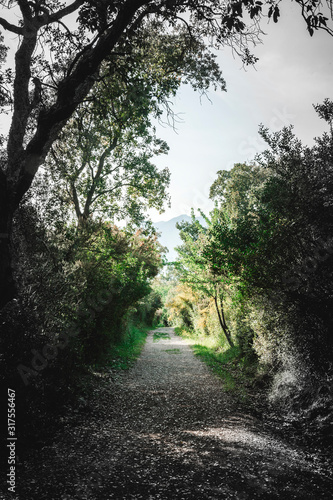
pixel 236 372
pixel 172 351
pixel 220 363
pixel 124 354
pixel 160 335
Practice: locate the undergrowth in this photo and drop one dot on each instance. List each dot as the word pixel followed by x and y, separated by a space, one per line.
pixel 122 355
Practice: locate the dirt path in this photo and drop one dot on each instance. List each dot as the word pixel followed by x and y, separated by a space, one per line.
pixel 166 430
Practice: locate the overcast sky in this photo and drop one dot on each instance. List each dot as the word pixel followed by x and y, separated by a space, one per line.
pixel 294 71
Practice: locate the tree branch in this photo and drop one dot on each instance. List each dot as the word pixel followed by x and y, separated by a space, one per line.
pixel 22 105
pixel 76 86
pixel 52 18
pixel 76 202
pixel 72 90
pixel 10 27
pixel 97 176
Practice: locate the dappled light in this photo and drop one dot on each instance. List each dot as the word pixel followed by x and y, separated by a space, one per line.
pixel 182 359
pixel 167 429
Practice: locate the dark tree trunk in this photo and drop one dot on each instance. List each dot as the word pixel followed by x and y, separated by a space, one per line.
pixel 223 324
pixel 7 285
pixel 24 161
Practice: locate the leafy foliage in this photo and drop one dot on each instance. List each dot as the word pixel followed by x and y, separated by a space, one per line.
pixel 102 162
pixel 85 82
pixel 267 245
pixel 198 272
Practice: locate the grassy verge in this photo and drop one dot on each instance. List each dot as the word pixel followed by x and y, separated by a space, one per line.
pixel 124 354
pixel 239 375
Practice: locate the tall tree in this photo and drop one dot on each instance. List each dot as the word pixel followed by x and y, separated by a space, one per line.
pixel 273 232
pixel 198 272
pixel 94 172
pixel 101 162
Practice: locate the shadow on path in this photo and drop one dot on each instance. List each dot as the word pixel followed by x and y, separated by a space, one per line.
pixel 166 430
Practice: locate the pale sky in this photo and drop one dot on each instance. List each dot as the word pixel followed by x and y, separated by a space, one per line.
pixel 294 71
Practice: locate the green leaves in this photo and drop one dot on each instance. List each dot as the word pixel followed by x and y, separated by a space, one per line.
pixel 103 161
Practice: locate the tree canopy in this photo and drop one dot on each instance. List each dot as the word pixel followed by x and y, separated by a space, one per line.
pixel 59 60
pixel 102 160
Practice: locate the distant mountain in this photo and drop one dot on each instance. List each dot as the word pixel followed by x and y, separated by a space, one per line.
pixel 170 235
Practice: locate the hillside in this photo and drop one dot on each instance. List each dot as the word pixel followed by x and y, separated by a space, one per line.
pixel 170 235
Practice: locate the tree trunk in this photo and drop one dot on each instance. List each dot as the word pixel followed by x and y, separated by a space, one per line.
pixel 223 324
pixel 24 161
pixel 7 285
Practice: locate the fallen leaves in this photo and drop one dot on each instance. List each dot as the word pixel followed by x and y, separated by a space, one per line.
pixel 166 430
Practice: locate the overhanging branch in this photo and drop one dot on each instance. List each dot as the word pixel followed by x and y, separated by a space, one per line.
pixel 10 27
pixel 52 18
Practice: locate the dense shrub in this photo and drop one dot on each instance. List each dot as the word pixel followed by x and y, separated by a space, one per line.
pixel 76 294
pixel 265 256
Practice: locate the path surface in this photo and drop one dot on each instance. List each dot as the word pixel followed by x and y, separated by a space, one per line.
pixel 166 430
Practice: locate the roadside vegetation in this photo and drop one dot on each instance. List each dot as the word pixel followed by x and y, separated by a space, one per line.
pixel 80 263
pixel 252 285
pixel 122 356
pixel 84 253
pixel 238 373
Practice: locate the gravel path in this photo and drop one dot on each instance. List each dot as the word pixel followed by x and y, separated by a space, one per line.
pixel 166 430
